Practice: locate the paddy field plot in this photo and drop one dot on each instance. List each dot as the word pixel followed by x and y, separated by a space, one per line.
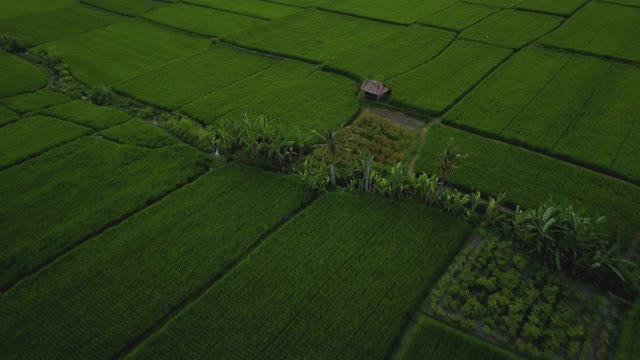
pixel 53 202
pixel 35 101
pixel 602 29
pixel 124 50
pixel 18 76
pixel 635 3
pixel 86 114
pixel 121 283
pixel 438 84
pixel 7 116
pixel 139 133
pixel 127 7
pixel 335 281
pixel 566 7
pixel 399 11
pixel 255 8
pixel 458 16
pixel 507 4
pixel 580 107
pixel 529 178
pixel 12 9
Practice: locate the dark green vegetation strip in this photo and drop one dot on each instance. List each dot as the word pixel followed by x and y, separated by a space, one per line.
pixel 7 116
pixel 139 133
pixel 81 112
pixel 399 11
pixel 629 347
pixel 126 7
pixel 119 284
pixel 56 200
pixel 336 281
pixel 565 7
pixel 33 135
pixel 459 16
pixel 257 8
pixel 529 178
pixel 18 76
pixel 34 101
pixel 431 339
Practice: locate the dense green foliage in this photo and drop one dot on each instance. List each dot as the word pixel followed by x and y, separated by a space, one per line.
pixel 459 16
pixel 33 135
pixel 400 11
pixel 211 223
pixel 82 112
pixel 139 133
pixel 78 189
pixel 438 84
pixel 511 28
pixel 336 281
pixel 7 116
pixel 18 76
pixel 34 101
pixel 431 339
pixel 629 347
pixel 257 8
pixel 565 7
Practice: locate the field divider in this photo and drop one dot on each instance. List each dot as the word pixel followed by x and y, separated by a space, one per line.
pixel 384 21
pixel 98 7
pixel 283 4
pixel 174 28
pixel 435 56
pixel 619 4
pixel 590 54
pixel 263 52
pixel 226 10
pixel 139 340
pixel 42 152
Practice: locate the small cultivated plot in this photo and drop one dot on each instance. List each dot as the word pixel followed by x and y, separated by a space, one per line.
pixel 139 133
pixel 578 106
pixel 496 3
pixel 323 102
pixel 337 281
pixel 628 345
pixel 35 101
pixel 511 28
pixel 86 114
pixel 626 162
pixel 126 7
pixel 495 291
pixel 201 20
pixel 255 8
pixel 121 283
pixel 438 84
pixel 11 9
pixel 313 34
pixel 121 51
pixel 459 16
pixel 35 29
pixel 183 81
pixel 55 201
pixel 34 135
pixel 7 116
pixel 603 29
pixel 530 179
pixel 565 7
pixel 397 11
pixel 431 339
pixel 18 76
pixel 394 54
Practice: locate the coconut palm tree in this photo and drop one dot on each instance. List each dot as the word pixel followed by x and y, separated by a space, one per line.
pixel 447 161
pixel 333 144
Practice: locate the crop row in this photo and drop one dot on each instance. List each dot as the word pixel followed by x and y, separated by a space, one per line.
pixel 399 11
pixel 566 7
pixel 139 133
pixel 126 7
pixel 34 101
pixel 336 281
pixel 86 114
pixel 18 76
pixel 256 8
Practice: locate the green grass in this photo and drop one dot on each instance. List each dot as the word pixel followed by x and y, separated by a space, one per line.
pixel 626 162
pixel 496 3
pixel 200 20
pixel 33 135
pixel 258 8
pixel 55 200
pixel 565 7
pixel 12 9
pixel 431 339
pixel 511 28
pixel 459 16
pixel 575 106
pixel 18 76
pixel 393 55
pixel 7 116
pixel 122 282
pixel 530 179
pixel 399 11
pixel 126 7
pixel 601 28
pixel 628 346
pixel 336 281
pixel 625 2
pixel 313 34
pixel 189 79
pixel 86 114
pixel 436 85
pixel 38 28
pixel 139 133
pixel 35 101
pixel 121 51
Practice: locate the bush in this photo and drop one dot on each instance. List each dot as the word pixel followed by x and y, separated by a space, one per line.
pixel 101 95
pixel 9 43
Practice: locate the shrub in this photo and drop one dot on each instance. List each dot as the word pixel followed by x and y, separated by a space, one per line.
pixel 101 95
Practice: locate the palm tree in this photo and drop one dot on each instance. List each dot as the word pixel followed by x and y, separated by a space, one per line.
pixel 447 161
pixel 333 144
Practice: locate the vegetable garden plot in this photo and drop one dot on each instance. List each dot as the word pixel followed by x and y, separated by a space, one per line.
pixel 127 7
pixel 18 76
pixel 11 9
pixel 257 8
pixel 394 54
pixel 35 29
pixel 200 20
pixel 601 28
pixel 33 135
pixel 183 81
pixel 336 281
pixel 399 11
pixel 511 28
pixel 313 34
pixel 529 178
pixel 139 133
pixel 565 7
pixel 436 85
pixel 431 339
pixel 35 101
pixel 7 116
pixel 55 200
pixel 82 112
pixel 459 16
pixel 497 3
pixel 121 51
pixel 115 286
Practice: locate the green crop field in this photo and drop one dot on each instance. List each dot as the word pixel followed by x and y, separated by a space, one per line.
pixel 458 16
pixel 400 11
pixel 126 7
pixel 566 7
pixel 83 113
pixel 255 8
pixel 35 101
pixel 12 9
pixel 139 133
pixel 6 116
pixel 18 76
pixel 497 3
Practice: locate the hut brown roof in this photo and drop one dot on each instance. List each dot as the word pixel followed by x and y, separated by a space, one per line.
pixel 374 89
